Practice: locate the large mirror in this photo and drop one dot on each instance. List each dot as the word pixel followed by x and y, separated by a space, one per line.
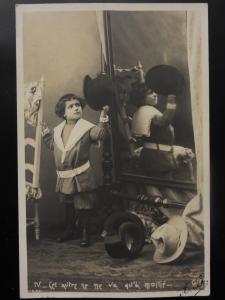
pixel 153 138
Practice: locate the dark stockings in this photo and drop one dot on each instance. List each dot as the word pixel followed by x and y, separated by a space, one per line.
pixel 71 217
pixel 84 216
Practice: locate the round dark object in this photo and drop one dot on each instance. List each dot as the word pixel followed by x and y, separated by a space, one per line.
pixel 128 243
pixel 132 237
pixel 114 221
pixel 116 249
pixel 125 235
pixel 165 80
pixel 99 91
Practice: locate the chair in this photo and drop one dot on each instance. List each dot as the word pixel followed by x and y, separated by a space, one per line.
pixel 33 115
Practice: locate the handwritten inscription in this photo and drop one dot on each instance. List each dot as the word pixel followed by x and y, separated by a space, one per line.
pixel 194 286
pixel 190 288
pixel 98 287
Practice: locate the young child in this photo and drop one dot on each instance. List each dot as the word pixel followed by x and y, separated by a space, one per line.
pixel 153 130
pixel 71 143
pixel 156 133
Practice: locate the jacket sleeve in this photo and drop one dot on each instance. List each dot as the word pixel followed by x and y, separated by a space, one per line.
pixel 99 132
pixel 166 118
pixel 48 140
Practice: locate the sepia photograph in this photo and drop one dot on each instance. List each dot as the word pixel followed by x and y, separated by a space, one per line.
pixel 113 150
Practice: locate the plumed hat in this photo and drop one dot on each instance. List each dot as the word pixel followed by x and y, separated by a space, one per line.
pixel 165 80
pixel 98 91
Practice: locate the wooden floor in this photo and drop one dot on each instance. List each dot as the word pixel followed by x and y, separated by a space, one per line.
pixel 67 267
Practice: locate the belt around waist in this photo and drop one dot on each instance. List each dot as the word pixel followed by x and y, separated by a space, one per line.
pixel 155 146
pixel 73 172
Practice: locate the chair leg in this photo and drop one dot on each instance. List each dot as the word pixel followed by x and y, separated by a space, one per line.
pixel 37 221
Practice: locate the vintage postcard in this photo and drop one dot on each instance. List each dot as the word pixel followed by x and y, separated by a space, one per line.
pixel 113 150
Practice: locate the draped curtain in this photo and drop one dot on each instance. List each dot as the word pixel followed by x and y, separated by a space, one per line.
pixel 197 48
pixel 197 64
pixel 100 24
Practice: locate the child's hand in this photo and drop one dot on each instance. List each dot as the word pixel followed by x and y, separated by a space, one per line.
pixel 171 99
pixel 104 118
pixel 45 129
pixel 105 109
pixel 171 102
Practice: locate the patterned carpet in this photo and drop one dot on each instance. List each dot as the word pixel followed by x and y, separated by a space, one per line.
pixel 67 267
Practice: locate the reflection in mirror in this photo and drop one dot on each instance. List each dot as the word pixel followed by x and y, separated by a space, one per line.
pixel 155 132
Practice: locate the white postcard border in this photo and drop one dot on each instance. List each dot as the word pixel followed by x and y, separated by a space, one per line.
pixel 23 8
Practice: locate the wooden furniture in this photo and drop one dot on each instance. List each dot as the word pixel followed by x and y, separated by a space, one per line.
pixel 33 194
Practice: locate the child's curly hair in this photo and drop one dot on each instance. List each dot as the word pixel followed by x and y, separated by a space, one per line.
pixel 139 93
pixel 60 105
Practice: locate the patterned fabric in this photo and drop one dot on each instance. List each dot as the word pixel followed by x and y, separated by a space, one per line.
pixel 32 193
pixel 151 218
pixel 149 225
pixel 32 98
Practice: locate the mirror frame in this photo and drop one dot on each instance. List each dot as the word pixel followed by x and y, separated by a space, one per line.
pixel 119 176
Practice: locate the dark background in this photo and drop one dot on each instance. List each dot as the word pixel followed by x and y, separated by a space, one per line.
pixel 64 48
pixel 156 38
pixel 9 204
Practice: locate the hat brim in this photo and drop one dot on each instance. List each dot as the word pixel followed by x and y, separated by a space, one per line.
pixel 180 224
pixel 86 82
pixel 114 221
pixel 165 80
pixel 125 235
pixel 98 91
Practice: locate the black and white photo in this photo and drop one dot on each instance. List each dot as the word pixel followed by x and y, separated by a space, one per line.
pixel 113 150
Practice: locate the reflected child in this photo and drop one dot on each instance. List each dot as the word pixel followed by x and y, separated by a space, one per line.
pixel 158 154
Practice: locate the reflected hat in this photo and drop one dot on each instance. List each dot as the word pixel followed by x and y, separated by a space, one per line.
pixel 98 91
pixel 170 240
pixel 165 80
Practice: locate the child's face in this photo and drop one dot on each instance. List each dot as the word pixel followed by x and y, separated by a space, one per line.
pixel 73 110
pixel 151 98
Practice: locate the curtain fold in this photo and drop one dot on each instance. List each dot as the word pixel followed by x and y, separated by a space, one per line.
pixel 195 44
pixel 100 24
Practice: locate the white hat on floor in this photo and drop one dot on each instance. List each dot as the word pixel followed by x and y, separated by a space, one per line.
pixel 169 240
